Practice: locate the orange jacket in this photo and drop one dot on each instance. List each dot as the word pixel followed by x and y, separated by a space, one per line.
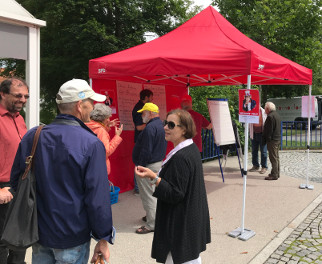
pixel 110 145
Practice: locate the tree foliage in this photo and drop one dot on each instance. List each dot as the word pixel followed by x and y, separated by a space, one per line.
pixel 80 30
pixel 200 95
pixel 291 28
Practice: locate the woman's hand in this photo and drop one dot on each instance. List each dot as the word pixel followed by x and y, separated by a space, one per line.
pixel 115 122
pixel 144 172
pixel 118 130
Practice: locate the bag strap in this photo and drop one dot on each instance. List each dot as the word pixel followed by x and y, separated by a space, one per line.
pixel 29 159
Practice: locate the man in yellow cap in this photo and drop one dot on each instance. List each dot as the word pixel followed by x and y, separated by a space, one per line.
pixel 149 151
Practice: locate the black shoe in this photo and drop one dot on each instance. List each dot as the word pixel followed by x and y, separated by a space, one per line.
pixel 271 178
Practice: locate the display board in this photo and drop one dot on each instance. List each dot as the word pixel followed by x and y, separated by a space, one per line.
pixel 128 94
pixel 159 98
pixel 221 121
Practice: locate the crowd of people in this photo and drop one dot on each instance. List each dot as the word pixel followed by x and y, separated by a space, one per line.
pixel 71 166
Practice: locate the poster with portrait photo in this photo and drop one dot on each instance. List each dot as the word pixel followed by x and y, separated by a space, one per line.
pixel 249 106
pixel 110 99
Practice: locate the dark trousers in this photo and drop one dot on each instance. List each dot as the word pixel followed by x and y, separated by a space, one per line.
pixel 256 145
pixel 273 148
pixel 8 256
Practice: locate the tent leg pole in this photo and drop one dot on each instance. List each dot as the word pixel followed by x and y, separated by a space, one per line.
pixel 241 232
pixel 307 186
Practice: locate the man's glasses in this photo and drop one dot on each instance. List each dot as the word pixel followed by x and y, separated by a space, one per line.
pixel 19 96
pixel 171 125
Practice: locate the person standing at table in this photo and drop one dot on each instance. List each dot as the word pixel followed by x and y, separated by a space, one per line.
pixel 146 96
pixel 14 93
pixel 199 119
pixel 101 124
pixel 149 151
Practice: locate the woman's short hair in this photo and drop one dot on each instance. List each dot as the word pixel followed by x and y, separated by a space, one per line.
pixel 186 122
pixel 270 106
pixel 100 112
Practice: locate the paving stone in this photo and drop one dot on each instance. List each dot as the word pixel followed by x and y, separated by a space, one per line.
pixel 272 261
pixel 275 256
pixel 312 256
pixel 292 262
pixel 312 249
pixel 297 258
pixel 285 259
pixel 308 260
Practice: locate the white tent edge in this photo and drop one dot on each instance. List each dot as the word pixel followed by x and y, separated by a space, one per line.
pixel 21 17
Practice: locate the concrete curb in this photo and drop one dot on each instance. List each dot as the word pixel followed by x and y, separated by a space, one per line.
pixel 265 253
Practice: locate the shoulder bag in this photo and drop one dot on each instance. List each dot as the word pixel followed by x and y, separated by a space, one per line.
pixel 20 228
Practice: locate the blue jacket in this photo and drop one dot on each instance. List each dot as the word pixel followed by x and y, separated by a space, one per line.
pixel 73 198
pixel 151 145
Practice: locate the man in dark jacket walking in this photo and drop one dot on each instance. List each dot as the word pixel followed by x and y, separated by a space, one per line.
pixel 272 136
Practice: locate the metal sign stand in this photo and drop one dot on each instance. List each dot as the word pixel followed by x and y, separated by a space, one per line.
pixel 241 232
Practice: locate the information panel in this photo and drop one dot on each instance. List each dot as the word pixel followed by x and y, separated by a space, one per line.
pixel 221 121
pixel 128 94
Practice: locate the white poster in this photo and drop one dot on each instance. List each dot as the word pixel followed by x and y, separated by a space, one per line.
pixel 128 94
pixel 159 98
pixel 305 106
pixel 221 121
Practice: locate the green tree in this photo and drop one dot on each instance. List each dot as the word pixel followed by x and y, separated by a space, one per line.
pixel 200 95
pixel 291 28
pixel 80 30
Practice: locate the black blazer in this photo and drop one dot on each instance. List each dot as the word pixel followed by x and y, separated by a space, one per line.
pixel 182 223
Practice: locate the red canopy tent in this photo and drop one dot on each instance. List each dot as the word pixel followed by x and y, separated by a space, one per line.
pixel 206 50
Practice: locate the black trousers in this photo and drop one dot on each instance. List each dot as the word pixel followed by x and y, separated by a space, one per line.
pixel 8 256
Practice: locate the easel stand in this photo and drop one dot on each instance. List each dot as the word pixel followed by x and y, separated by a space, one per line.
pixel 217 148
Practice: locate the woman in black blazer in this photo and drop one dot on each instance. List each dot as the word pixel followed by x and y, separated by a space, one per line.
pixel 182 225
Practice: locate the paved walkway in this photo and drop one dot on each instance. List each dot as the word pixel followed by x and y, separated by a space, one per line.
pixel 304 242
pixel 274 209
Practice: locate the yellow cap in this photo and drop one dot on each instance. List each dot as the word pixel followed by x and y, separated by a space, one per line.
pixel 149 107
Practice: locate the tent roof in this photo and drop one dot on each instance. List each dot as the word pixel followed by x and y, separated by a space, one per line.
pixel 206 50
pixel 13 13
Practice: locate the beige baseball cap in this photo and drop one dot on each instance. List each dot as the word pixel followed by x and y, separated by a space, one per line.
pixel 75 90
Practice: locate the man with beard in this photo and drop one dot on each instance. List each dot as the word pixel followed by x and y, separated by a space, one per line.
pixel 14 93
pixel 149 151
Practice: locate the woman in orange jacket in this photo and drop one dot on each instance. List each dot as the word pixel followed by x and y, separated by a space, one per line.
pixel 101 124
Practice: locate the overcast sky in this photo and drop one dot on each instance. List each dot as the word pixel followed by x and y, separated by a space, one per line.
pixel 204 3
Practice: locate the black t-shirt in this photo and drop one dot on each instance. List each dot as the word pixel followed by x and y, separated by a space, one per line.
pixel 137 118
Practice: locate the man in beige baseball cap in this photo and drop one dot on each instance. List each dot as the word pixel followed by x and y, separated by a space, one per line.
pixel 71 181
pixel 77 98
pixel 75 90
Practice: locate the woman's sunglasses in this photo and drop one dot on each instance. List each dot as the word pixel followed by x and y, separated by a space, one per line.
pixel 171 125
